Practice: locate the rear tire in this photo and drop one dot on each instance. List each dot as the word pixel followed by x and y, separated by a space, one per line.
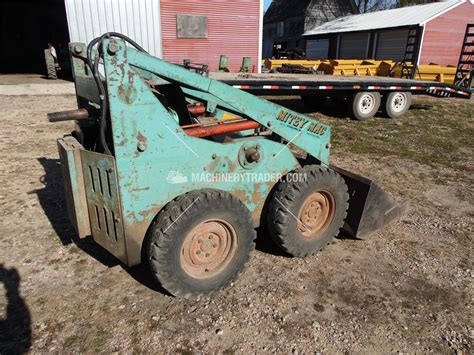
pixel 396 104
pixel 200 242
pixel 305 214
pixel 365 105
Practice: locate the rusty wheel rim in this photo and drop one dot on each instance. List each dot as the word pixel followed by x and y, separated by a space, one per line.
pixel 316 214
pixel 208 248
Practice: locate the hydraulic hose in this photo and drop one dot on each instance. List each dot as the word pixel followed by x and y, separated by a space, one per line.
pixel 94 66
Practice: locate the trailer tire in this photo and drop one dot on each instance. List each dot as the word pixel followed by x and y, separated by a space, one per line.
pixel 365 105
pixel 396 104
pixel 200 242
pixel 306 213
pixel 313 102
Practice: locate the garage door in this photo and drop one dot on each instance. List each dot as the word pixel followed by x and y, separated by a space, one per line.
pixel 391 45
pixel 353 46
pixel 317 49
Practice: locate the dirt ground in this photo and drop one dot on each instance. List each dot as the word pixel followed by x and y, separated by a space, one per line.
pixel 407 288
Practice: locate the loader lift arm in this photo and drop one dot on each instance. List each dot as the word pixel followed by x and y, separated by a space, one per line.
pixel 304 132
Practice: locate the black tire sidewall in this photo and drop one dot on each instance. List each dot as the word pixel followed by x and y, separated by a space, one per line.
pixel 287 233
pixel 317 243
pixel 171 273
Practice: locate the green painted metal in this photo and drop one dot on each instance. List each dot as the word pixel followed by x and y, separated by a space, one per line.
pixel 223 63
pixel 154 159
pixel 69 154
pixel 103 202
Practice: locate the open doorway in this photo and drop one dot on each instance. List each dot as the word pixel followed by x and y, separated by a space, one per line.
pixel 26 28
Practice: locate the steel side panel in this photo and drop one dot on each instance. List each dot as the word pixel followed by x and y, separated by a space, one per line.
pixel 103 202
pixel 69 153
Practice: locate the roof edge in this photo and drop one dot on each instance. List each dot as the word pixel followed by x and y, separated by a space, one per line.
pixel 444 11
pixel 421 23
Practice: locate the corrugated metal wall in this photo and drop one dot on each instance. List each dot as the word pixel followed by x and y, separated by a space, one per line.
pixel 442 41
pixel 317 48
pixel 233 30
pixel 353 46
pixel 137 19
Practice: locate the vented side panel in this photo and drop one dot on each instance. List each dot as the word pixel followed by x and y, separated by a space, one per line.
pixel 103 202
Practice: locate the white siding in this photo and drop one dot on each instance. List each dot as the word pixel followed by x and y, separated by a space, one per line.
pixel 138 19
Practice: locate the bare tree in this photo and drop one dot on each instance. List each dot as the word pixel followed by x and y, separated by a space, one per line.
pixel 377 5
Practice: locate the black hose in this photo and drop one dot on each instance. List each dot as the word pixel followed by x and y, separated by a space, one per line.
pixel 100 85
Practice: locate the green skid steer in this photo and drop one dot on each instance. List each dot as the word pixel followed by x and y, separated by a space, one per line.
pixel 176 170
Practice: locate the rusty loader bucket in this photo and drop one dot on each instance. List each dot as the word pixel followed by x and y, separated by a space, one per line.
pixel 370 208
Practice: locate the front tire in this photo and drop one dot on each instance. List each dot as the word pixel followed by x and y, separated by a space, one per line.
pixel 200 242
pixel 307 212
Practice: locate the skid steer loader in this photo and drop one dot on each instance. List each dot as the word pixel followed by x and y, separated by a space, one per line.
pixel 176 170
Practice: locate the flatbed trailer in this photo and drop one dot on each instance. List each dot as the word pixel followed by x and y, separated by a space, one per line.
pixel 366 95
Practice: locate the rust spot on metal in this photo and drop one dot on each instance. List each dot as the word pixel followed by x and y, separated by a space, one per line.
pixel 233 164
pixel 131 77
pixel 135 232
pixel 241 195
pixel 141 137
pixel 214 165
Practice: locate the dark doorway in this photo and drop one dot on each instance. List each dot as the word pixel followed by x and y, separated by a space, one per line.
pixel 26 27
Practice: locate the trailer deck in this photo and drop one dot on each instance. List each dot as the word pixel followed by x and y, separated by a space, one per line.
pixel 304 84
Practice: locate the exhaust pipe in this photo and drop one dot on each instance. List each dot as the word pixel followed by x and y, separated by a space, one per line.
pixel 72 115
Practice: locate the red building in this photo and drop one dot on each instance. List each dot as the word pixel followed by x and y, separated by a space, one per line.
pixel 233 29
pixel 198 30
pixel 444 34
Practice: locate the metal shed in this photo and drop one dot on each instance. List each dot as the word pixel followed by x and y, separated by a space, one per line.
pixel 139 19
pixel 439 26
pixel 198 30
